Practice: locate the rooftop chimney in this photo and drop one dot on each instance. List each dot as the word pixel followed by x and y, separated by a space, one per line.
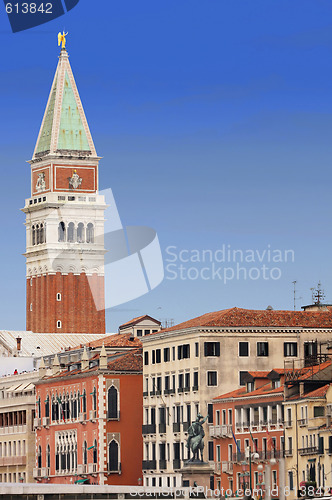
pixel 18 343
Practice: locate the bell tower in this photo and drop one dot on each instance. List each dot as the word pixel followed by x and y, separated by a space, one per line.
pixel 65 219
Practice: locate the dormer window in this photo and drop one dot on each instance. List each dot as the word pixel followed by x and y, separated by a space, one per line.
pixel 276 383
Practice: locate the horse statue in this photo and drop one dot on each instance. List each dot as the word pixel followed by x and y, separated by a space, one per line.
pixel 195 441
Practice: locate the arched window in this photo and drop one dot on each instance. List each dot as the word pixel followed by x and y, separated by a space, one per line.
pixel 41 233
pixel 112 410
pixel 74 407
pixel 33 235
pixel 57 458
pixel 85 453
pixel 80 233
pixel 113 456
pixel 84 402
pixel 70 233
pixel 53 408
pixel 39 408
pixel 48 456
pixel 39 458
pixel 78 403
pixel 67 408
pixel 94 399
pixel 95 454
pixel 61 231
pixel 89 233
pixel 37 234
pixel 47 406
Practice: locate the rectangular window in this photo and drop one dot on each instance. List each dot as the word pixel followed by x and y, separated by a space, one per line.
pixel 158 356
pixel 180 382
pixel 139 333
pixel 319 411
pixel 187 381
pixel 173 353
pixel 262 348
pixel 146 332
pixel 146 358
pixel 196 349
pixel 210 447
pixel 243 349
pixel 184 351
pixel 166 382
pixel 210 413
pixel 290 480
pixel 153 357
pixel 166 354
pixel 218 453
pixel 211 378
pixel 211 348
pixel 241 377
pixel 195 386
pixel 290 349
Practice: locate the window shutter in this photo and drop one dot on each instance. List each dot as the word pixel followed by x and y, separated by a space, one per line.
pixel 285 349
pixel 217 348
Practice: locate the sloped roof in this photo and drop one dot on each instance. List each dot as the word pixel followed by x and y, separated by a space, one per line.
pixel 114 340
pixel 134 321
pixel 237 317
pixel 43 344
pixel 64 126
pixel 261 391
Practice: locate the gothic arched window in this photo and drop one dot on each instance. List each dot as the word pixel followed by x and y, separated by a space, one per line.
pixel 85 453
pixel 70 233
pixel 48 456
pixel 89 233
pixel 112 400
pixel 94 398
pixel 95 454
pixel 39 458
pixel 37 235
pixel 80 233
pixel 41 234
pixel 33 235
pixel 61 231
pixel 47 406
pixel 113 456
pixel 84 402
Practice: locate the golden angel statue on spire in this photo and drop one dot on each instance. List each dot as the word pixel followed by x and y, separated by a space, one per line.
pixel 62 38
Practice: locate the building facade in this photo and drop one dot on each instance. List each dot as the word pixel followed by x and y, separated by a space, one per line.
pixel 88 421
pixel 248 436
pixel 65 219
pixel 308 430
pixel 187 365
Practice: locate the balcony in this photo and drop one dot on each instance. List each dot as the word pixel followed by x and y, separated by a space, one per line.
pixel 152 393
pixel 287 423
pixel 37 422
pixel 303 422
pixel 149 464
pixel 82 418
pixel 162 428
pixel 13 429
pixel 166 391
pixel 92 468
pixel 186 389
pixel 311 450
pixel 45 472
pixel 195 388
pixel 176 427
pixel 180 389
pixel 185 426
pixel 46 421
pixel 18 460
pixel 162 464
pixel 227 467
pixel 93 415
pixel 149 429
pixel 217 467
pixel 81 469
pixel 220 431
pixel 36 473
pixel 288 453
pixel 176 463
pixel 239 457
pixel 145 394
pixel 172 391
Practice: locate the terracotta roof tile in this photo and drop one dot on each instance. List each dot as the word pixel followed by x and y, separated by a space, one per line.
pixel 237 317
pixel 115 340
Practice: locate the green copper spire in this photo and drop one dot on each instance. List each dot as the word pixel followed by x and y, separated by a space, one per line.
pixel 64 129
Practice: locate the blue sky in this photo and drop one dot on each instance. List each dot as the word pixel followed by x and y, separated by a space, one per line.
pixel 214 122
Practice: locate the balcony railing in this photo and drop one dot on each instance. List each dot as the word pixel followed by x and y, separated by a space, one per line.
pixel 145 394
pixel 162 464
pixel 186 388
pixel 37 422
pixel 239 457
pixel 82 418
pixel 176 427
pixel 195 388
pixel 185 426
pixel 149 464
pixel 310 450
pixel 287 423
pixel 13 429
pixel 303 421
pixel 162 428
pixel 176 463
pixel 81 469
pixel 149 429
pixel 220 431
pixel 92 468
pixel 46 421
pixel 227 467
pixel 93 414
